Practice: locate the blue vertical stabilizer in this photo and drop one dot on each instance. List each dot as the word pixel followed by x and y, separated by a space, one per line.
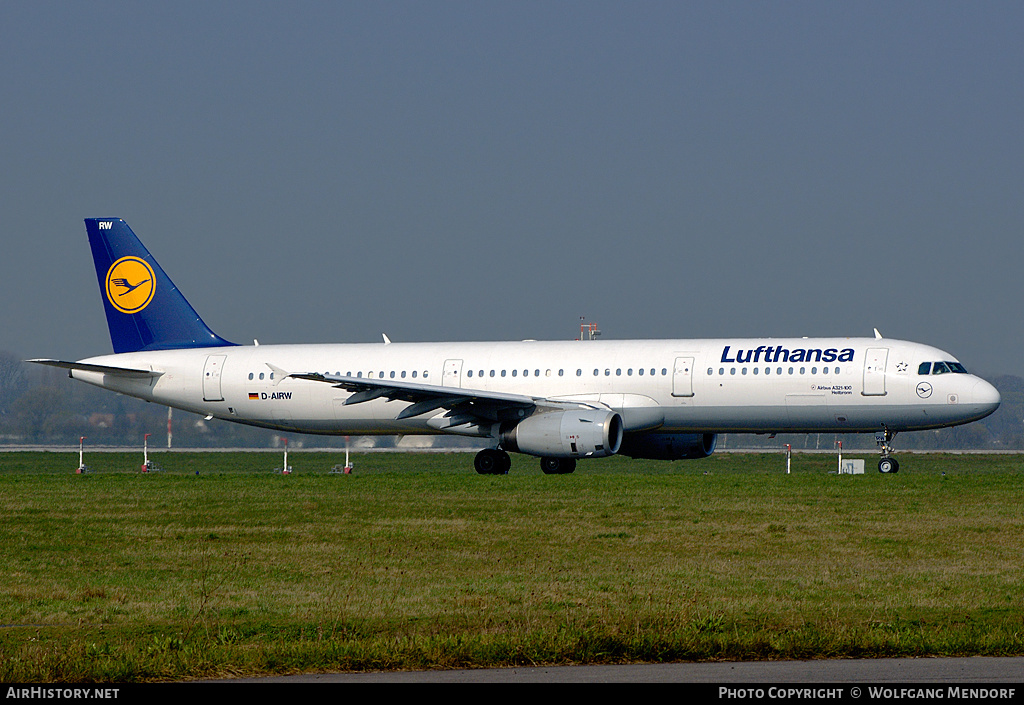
pixel 145 311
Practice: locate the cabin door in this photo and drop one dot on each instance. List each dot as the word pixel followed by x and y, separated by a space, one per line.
pixel 682 377
pixel 211 378
pixel 874 372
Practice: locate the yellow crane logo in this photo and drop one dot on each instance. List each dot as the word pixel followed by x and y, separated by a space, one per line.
pixel 131 284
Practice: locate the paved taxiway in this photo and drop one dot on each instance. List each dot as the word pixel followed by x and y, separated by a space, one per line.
pixel 876 671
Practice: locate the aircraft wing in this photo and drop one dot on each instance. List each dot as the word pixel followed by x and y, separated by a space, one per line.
pixel 484 405
pixel 102 369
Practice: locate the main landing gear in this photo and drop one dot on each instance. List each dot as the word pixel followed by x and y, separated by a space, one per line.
pixel 494 461
pixel 887 464
pixel 557 466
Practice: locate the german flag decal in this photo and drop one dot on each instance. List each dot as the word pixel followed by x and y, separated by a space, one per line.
pixel 253 395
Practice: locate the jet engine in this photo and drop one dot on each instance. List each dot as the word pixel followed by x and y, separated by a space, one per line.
pixel 668 446
pixel 584 433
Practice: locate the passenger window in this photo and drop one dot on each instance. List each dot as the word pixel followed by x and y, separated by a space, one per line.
pixel 515 372
pixel 469 373
pixel 250 375
pixel 413 374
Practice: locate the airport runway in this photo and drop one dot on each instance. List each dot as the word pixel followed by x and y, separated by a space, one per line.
pixel 963 671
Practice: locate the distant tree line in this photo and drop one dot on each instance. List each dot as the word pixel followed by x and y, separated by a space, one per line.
pixel 42 406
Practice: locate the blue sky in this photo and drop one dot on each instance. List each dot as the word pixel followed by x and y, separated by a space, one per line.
pixel 327 171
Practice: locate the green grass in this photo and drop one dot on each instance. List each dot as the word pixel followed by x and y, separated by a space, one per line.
pixel 415 561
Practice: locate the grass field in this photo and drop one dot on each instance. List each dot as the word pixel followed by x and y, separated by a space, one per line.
pixel 415 561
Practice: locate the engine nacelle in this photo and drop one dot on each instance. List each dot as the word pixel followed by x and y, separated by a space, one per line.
pixel 586 433
pixel 668 446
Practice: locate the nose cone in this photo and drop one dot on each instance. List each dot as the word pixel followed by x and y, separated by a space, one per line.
pixel 986 397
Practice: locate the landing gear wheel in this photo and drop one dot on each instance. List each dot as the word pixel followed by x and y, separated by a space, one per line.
pixel 557 466
pixel 504 463
pixel 888 465
pixel 491 461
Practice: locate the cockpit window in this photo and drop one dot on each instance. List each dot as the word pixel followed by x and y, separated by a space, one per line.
pixel 941 368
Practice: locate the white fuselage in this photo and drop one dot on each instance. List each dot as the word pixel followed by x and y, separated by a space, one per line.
pixel 698 386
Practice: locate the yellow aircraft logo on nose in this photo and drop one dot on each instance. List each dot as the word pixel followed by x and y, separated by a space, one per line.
pixel 130 284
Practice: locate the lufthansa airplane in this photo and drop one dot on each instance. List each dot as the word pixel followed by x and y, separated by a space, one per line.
pixel 559 401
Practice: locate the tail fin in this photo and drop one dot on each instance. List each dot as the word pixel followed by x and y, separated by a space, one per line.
pixel 145 311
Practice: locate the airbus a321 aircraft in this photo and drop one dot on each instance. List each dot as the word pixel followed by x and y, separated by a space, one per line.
pixel 559 401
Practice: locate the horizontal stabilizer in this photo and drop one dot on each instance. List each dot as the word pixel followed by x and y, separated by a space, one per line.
pixel 102 369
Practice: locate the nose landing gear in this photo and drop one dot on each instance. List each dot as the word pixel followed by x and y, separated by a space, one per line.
pixel 887 464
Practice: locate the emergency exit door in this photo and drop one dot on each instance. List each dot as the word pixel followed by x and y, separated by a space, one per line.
pixel 452 375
